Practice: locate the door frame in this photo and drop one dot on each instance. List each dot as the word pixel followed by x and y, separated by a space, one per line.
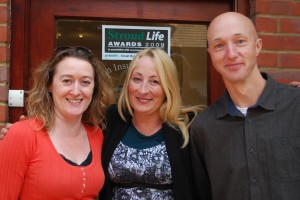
pixel 33 29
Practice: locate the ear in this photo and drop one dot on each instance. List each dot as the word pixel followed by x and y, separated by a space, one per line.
pixel 258 46
pixel 208 50
pixel 50 89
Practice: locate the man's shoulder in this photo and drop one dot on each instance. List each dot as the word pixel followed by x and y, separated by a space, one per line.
pixel 287 95
pixel 211 111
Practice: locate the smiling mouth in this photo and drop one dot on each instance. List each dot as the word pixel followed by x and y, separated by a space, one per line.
pixel 143 100
pixel 74 100
pixel 233 65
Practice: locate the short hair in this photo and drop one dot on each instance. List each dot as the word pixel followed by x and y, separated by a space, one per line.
pixel 40 103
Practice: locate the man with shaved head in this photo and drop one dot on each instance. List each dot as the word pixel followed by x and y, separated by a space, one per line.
pixel 247 144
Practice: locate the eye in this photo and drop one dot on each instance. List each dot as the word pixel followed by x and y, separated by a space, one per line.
pixel 85 82
pixel 154 82
pixel 218 46
pixel 67 81
pixel 136 79
pixel 240 41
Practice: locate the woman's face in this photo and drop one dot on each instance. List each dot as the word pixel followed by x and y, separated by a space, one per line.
pixel 72 87
pixel 146 94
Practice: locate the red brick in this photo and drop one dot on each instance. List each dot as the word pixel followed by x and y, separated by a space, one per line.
pixel 267 60
pixel 290 60
pixel 290 25
pixel 280 42
pixel 3 93
pixel 3 113
pixel 4 74
pixel 3 34
pixel 3 14
pixel 274 7
pixel 3 1
pixel 264 24
pixel 3 54
pixel 296 8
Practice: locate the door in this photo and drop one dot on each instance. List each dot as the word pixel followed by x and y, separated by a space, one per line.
pixel 36 26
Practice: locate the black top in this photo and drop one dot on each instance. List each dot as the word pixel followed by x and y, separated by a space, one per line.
pixel 183 186
pixel 86 162
pixel 256 156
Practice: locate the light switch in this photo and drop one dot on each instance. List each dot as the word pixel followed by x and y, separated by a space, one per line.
pixel 16 98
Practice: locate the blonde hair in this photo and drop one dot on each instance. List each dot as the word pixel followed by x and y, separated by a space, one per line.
pixel 40 103
pixel 171 111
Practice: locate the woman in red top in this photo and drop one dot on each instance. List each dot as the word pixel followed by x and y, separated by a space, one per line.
pixel 55 153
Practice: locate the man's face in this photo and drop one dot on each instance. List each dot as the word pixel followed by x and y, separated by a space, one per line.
pixel 233 46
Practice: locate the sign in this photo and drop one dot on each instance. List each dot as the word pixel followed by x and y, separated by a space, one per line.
pixel 123 42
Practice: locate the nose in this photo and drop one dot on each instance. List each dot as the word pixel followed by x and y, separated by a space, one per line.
pixel 143 87
pixel 76 90
pixel 232 52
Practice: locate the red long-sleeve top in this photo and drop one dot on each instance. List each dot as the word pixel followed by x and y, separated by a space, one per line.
pixel 31 168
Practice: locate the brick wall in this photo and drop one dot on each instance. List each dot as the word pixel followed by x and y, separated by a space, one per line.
pixel 278 24
pixel 4 59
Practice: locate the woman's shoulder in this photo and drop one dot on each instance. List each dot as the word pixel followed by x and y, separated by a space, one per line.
pixel 113 115
pixel 23 133
pixel 94 134
pixel 26 125
pixel 111 110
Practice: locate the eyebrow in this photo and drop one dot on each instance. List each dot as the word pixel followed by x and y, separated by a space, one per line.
pixel 235 35
pixel 68 75
pixel 143 75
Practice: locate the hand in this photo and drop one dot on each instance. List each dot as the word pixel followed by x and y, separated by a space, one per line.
pixel 4 130
pixel 8 126
pixel 295 83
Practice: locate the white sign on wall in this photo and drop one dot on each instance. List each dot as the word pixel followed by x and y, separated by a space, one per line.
pixel 123 42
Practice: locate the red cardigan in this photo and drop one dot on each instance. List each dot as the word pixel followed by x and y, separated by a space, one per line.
pixel 31 168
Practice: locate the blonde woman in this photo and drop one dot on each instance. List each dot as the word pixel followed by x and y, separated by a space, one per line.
pixel 146 149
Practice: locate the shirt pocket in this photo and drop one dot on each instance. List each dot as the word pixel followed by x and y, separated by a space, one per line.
pixel 284 159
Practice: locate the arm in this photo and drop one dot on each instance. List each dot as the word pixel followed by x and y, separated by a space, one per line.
pixel 4 130
pixel 200 172
pixel 15 153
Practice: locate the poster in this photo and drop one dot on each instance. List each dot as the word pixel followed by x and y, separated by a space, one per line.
pixel 123 42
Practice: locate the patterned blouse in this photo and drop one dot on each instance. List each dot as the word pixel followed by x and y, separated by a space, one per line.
pixel 140 168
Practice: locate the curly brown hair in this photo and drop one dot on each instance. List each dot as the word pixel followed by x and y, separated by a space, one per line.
pixel 40 103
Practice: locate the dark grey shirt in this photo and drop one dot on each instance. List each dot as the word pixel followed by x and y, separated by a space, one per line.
pixel 256 156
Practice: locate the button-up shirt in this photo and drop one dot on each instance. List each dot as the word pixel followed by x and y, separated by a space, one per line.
pixel 256 156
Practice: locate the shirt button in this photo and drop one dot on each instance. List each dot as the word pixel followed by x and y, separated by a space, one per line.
pixel 251 150
pixel 284 142
pixel 253 180
pixel 249 121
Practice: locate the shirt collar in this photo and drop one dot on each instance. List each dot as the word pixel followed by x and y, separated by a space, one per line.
pixel 266 100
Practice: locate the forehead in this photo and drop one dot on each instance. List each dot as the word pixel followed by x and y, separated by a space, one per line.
pixel 72 65
pixel 230 26
pixel 145 64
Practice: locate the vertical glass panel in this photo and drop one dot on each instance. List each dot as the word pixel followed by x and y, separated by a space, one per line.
pixel 188 50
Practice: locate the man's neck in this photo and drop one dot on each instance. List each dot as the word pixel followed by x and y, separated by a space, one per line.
pixel 246 94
